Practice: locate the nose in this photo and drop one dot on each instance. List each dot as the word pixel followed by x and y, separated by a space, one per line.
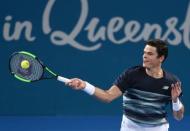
pixel 144 56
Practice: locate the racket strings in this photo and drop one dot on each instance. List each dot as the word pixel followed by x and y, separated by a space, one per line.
pixel 34 72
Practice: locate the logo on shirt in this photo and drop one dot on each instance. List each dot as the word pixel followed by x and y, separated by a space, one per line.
pixel 165 87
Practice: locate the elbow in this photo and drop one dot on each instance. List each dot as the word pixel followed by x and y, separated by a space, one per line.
pixel 108 97
pixel 107 100
pixel 105 96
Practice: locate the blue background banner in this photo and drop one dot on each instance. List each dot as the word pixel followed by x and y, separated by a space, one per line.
pixel 91 39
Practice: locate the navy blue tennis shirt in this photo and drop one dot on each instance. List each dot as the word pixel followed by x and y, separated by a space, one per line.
pixel 145 98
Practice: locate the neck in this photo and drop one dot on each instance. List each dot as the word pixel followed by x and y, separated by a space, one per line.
pixel 155 72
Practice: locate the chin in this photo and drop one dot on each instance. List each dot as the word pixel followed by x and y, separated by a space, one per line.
pixel 145 65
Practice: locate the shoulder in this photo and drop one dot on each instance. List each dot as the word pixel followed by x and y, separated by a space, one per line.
pixel 171 77
pixel 134 70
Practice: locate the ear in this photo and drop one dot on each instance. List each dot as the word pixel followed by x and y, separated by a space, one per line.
pixel 162 58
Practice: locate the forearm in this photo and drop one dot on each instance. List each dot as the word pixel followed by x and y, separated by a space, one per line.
pixel 178 115
pixel 103 95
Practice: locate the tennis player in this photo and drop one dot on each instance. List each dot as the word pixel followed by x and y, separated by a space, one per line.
pixel 146 90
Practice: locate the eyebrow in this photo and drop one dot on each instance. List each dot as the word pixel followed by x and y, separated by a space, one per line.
pixel 148 52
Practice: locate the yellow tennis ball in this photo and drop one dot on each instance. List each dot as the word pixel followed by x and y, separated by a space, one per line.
pixel 25 64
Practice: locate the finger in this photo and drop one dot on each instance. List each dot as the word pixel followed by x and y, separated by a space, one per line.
pixel 178 84
pixel 72 83
pixel 174 90
pixel 179 91
pixel 178 87
pixel 172 87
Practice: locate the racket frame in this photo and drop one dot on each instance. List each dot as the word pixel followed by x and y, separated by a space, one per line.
pixel 54 75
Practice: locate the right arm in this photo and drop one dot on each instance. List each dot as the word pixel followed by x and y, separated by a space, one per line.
pixel 104 95
pixel 107 95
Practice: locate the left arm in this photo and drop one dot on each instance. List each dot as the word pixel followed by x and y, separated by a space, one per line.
pixel 178 108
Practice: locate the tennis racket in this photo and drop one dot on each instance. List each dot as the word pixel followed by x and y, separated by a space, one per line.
pixel 26 67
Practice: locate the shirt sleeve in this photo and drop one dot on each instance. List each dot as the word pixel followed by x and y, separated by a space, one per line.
pixel 123 80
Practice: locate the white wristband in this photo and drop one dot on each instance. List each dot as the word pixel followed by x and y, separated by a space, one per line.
pixel 89 89
pixel 177 106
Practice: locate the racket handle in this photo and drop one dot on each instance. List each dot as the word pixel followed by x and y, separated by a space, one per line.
pixel 63 79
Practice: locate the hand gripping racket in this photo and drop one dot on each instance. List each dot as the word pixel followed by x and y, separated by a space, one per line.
pixel 27 67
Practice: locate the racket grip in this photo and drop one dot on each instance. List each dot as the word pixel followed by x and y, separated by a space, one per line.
pixel 63 79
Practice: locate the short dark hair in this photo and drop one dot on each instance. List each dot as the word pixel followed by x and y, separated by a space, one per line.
pixel 161 47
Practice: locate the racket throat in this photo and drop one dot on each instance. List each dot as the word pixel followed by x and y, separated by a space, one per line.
pixel 48 74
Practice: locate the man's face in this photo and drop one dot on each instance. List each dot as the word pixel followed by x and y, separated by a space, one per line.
pixel 150 57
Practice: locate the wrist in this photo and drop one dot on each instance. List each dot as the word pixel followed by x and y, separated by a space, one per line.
pixel 89 88
pixel 174 100
pixel 176 105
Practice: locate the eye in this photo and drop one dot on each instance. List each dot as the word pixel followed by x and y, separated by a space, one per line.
pixel 150 53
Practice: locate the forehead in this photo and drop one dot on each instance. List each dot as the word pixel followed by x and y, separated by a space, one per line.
pixel 149 48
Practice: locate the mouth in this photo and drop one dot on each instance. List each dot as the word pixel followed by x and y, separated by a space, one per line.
pixel 145 61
